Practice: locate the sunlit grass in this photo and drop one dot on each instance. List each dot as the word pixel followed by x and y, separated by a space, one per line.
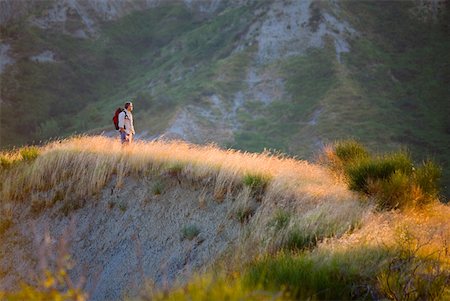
pixel 88 163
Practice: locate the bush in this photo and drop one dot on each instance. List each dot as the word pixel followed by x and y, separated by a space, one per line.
pixel 391 179
pixel 190 232
pixel 5 161
pixel 157 188
pixel 394 192
pixel 280 220
pixel 302 278
pixel 350 150
pixel 29 153
pixel 365 170
pixel 428 177
pixel 257 183
pixel 244 214
pixel 299 240
pixel 174 169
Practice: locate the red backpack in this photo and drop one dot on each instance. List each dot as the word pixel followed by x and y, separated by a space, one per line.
pixel 116 117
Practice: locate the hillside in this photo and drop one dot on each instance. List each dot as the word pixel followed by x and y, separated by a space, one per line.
pixel 86 217
pixel 252 75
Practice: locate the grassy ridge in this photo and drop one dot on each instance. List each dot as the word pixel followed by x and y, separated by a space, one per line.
pixel 68 160
pixel 311 237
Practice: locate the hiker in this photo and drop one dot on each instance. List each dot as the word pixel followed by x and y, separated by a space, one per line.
pixel 126 127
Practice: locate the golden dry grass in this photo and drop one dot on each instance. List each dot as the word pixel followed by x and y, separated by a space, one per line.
pixel 86 164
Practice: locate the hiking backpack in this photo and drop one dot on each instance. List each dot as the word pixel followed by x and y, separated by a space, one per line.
pixel 116 118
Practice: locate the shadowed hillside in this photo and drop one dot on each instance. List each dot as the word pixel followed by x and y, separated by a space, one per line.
pixel 172 220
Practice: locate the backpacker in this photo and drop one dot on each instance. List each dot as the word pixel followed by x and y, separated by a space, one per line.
pixel 116 117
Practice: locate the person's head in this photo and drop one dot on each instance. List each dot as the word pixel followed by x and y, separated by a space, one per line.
pixel 129 106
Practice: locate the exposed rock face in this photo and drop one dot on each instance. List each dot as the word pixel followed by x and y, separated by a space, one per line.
pixel 126 236
pixel 293 27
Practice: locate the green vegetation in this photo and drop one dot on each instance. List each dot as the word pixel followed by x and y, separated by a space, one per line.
pixel 308 78
pixel 190 232
pixel 280 220
pixel 23 154
pixel 391 178
pixel 244 213
pixel 256 182
pixel 299 240
pixel 350 150
pixel 401 65
pixel 304 277
pixel 212 287
pixel 92 76
pixel 157 188
pixel 29 153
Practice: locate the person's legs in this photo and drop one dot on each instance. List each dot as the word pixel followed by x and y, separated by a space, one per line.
pixel 123 137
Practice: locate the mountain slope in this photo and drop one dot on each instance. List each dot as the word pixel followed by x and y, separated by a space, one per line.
pixel 285 75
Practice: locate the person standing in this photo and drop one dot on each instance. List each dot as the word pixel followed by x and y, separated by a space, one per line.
pixel 126 127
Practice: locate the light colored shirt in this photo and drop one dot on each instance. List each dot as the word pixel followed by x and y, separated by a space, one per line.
pixel 126 121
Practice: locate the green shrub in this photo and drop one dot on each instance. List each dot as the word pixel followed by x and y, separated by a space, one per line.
pixel 299 240
pixel 5 161
pixel 365 170
pixel 427 177
pixel 350 150
pixel 244 213
pixel 280 220
pixel 174 170
pixel 157 188
pixel 257 183
pixel 190 232
pixel 391 179
pixel 394 192
pixel 29 153
pixel 302 277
